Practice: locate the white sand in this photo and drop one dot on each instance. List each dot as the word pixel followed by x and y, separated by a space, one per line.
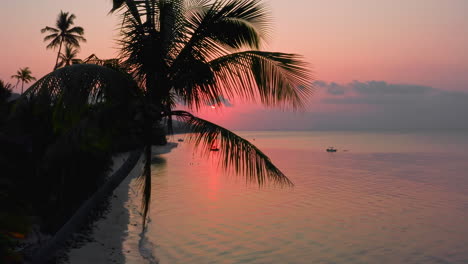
pixel 116 236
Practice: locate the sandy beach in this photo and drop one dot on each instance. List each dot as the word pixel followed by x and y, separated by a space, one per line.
pixel 112 235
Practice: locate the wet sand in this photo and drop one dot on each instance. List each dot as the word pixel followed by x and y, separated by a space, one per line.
pixel 114 236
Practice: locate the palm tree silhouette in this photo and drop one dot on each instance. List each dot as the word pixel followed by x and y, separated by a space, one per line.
pixel 68 57
pixel 199 52
pixel 63 33
pixel 23 75
pixel 194 52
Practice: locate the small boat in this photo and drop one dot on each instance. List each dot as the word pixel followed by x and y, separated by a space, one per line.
pixel 331 149
pixel 180 140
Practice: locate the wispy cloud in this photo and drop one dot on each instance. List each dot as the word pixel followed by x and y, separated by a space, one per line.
pixel 370 105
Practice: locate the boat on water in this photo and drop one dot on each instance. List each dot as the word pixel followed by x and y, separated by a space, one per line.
pixel 331 149
pixel 180 140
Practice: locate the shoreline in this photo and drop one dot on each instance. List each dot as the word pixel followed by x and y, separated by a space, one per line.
pixel 113 236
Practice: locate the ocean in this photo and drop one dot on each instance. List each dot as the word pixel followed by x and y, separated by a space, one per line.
pixel 384 197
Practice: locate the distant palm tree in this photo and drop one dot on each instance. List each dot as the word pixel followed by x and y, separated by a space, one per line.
pixel 23 75
pixel 63 33
pixel 69 57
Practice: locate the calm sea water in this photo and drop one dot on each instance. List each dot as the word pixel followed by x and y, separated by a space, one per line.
pixel 389 198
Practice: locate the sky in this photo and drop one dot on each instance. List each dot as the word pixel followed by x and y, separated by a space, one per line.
pixel 376 64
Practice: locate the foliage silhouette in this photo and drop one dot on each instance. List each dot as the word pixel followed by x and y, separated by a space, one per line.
pixel 63 33
pixel 5 93
pixel 192 52
pixel 68 57
pixel 200 51
pixel 23 75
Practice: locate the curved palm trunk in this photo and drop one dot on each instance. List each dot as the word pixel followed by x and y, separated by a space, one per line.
pixel 58 54
pixel 153 115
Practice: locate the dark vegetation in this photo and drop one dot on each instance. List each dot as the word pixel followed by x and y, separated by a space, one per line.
pixel 58 138
pixel 48 168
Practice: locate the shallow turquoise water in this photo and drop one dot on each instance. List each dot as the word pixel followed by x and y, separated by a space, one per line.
pixel 390 198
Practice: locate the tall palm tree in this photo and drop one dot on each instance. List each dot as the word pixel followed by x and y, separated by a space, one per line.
pixel 68 57
pixel 201 51
pixel 64 33
pixel 23 75
pixel 192 51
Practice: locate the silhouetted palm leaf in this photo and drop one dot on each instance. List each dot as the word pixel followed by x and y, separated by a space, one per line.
pixel 236 152
pixel 70 91
pixel 69 57
pixel 199 51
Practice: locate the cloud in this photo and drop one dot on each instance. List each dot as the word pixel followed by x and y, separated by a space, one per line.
pixel 332 88
pixel 379 87
pixel 395 106
pixel 372 105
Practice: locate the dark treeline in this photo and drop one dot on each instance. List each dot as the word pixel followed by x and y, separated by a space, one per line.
pixel 58 138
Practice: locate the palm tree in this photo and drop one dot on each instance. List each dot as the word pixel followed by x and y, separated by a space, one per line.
pixel 201 51
pixel 192 51
pixel 23 75
pixel 64 33
pixel 69 57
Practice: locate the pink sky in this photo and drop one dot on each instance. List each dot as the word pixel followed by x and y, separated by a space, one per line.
pixel 422 42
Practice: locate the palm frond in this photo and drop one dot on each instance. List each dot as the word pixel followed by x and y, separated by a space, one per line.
pixel 276 78
pixel 117 4
pixel 49 29
pixel 233 23
pixel 194 83
pixel 236 152
pixel 223 25
pixel 71 89
pixel 70 19
pixel 54 43
pixel 131 9
pixel 51 36
pixel 76 30
pixel 171 24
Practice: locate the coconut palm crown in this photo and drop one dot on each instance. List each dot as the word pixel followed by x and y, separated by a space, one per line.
pixel 63 33
pixel 194 52
pixel 23 75
pixel 68 57
pixel 200 51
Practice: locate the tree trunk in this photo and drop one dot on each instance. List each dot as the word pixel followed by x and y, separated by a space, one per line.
pixel 58 54
pixel 22 85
